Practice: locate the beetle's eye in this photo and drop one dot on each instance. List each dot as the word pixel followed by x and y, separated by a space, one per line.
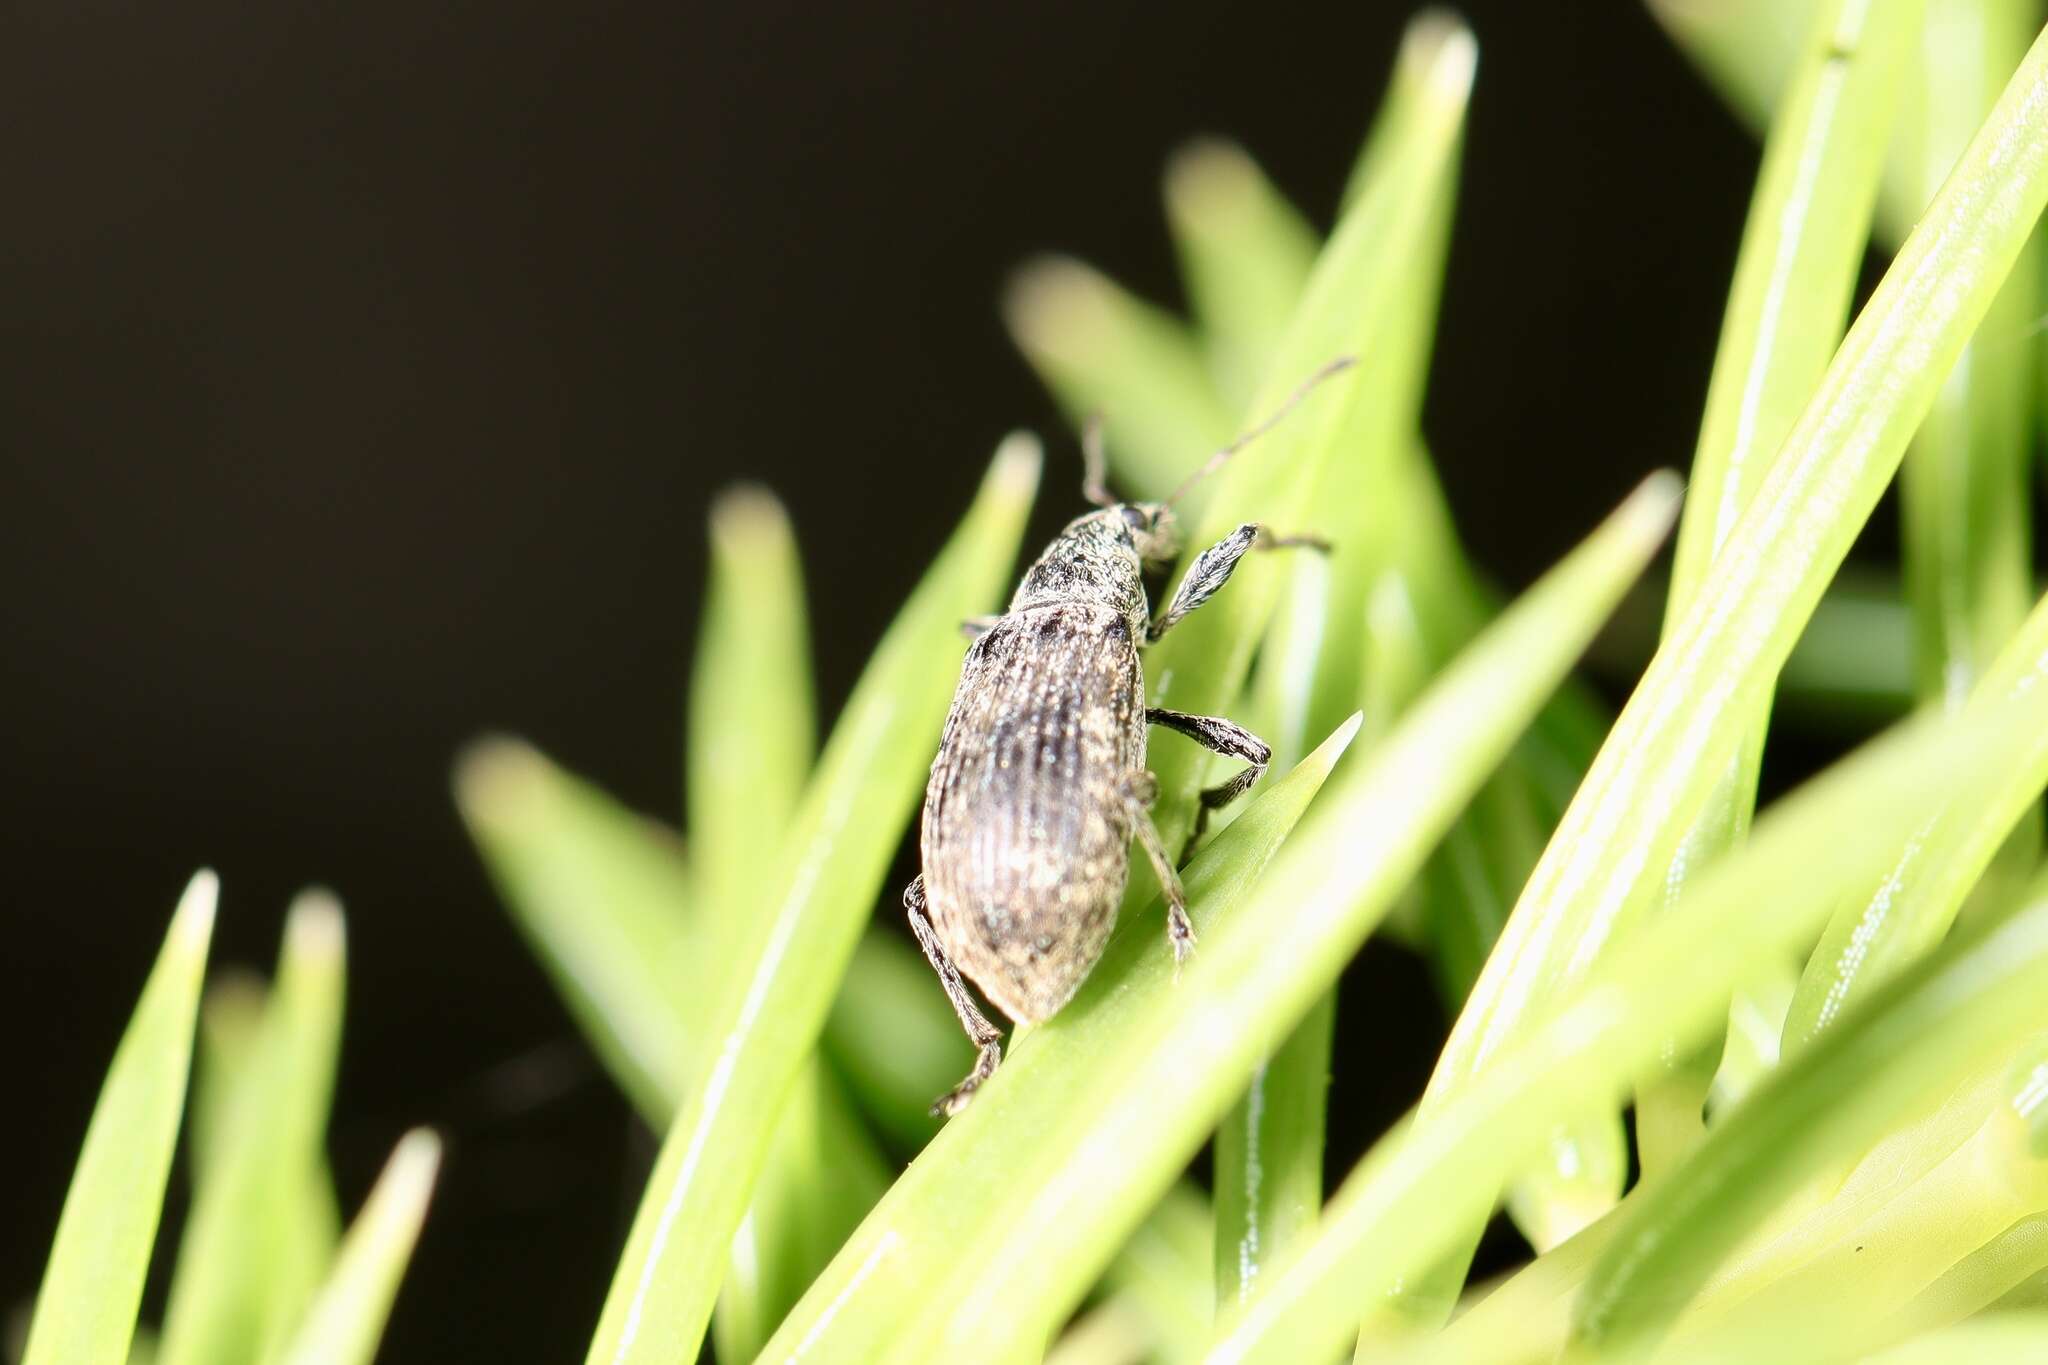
pixel 1135 519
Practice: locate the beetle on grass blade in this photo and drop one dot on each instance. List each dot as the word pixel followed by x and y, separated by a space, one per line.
pixel 1040 781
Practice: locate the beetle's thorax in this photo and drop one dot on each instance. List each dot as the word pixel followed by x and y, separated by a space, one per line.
pixel 1094 560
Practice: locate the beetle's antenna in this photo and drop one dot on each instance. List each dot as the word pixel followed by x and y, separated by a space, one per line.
pixel 1216 461
pixel 1095 464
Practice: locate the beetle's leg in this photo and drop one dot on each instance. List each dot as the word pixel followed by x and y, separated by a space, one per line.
pixel 983 1034
pixel 974 627
pixel 1212 569
pixel 1180 930
pixel 1223 737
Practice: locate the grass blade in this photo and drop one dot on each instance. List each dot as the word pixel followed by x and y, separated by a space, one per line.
pixel 1801 247
pixel 348 1316
pixel 1418 1191
pixel 1670 746
pixel 85 1310
pixel 1269 1147
pixel 1245 254
pixel 1747 49
pixel 604 897
pixel 752 721
pixel 1903 913
pixel 1956 1011
pixel 1102 350
pixel 1026 1123
pixel 1963 489
pixel 609 903
pixel 226 1301
pixel 1097 1111
pixel 782 983
pixel 752 738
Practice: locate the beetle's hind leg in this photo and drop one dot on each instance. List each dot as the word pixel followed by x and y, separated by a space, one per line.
pixel 1224 737
pixel 984 1035
pixel 1180 930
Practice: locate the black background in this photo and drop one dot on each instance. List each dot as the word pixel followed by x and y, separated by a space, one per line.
pixel 366 371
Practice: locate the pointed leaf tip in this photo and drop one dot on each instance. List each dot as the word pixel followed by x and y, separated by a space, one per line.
pixel 314 926
pixel 746 513
pixel 192 922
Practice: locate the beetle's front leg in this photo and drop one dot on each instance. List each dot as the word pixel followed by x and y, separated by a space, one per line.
pixel 1139 790
pixel 984 1035
pixel 1219 736
pixel 1212 569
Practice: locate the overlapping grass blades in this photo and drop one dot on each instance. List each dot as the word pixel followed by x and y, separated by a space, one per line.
pixel 85 1311
pixel 1102 1105
pixel 784 972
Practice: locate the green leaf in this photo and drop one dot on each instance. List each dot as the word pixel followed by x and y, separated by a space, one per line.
pixel 1039 1115
pixel 1245 253
pixel 1418 1191
pixel 347 1317
pixel 85 1310
pixel 1672 743
pixel 752 726
pixel 1964 487
pixel 1908 909
pixel 781 982
pixel 1269 1147
pixel 1162 1274
pixel 1101 1106
pixel 608 901
pixel 605 898
pixel 1801 248
pixel 1747 49
pixel 1102 351
pixel 1964 1007
pixel 236 1277
pixel 1999 1339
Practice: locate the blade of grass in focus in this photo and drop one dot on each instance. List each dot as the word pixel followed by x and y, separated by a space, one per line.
pixel 1419 1190
pixel 1801 248
pixel 347 1318
pixel 236 1256
pixel 1965 487
pixel 783 979
pixel 85 1309
pixel 1906 911
pixel 1102 1105
pixel 1670 746
pixel 1949 1014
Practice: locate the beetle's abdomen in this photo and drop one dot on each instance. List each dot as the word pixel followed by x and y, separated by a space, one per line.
pixel 1027 829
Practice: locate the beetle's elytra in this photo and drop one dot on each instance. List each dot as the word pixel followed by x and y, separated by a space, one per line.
pixel 1040 780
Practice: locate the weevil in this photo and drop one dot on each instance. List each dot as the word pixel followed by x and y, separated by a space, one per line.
pixel 1040 781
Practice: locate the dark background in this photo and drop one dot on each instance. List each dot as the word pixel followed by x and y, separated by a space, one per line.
pixel 366 370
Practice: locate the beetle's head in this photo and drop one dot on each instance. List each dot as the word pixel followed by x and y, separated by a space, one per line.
pixel 1155 531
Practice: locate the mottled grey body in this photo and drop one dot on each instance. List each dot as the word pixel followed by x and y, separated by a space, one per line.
pixel 1027 818
pixel 1040 781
